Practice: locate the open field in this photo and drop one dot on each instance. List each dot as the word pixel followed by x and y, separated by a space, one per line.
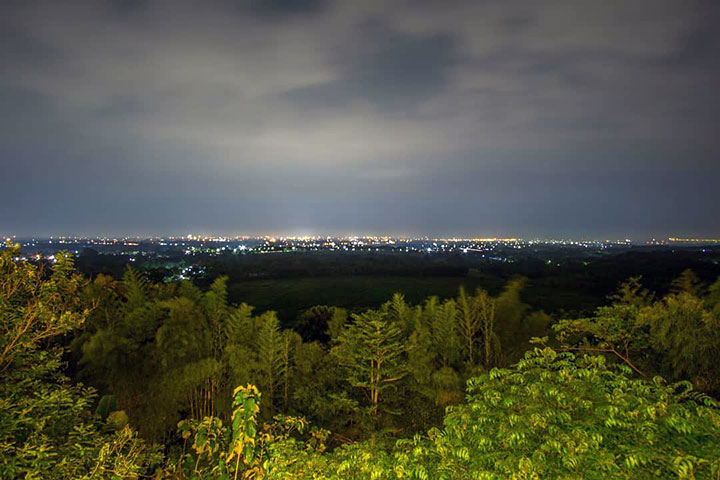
pixel 291 296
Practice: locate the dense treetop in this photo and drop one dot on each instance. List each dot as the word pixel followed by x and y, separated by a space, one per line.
pixel 191 386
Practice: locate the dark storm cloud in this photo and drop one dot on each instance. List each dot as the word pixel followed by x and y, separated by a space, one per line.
pixel 128 6
pixel 460 117
pixel 284 7
pixel 390 69
pixel 699 45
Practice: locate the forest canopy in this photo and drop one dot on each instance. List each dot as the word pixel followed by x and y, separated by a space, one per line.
pixel 125 378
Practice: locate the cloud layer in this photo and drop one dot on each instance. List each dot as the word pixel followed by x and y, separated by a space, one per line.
pixel 446 118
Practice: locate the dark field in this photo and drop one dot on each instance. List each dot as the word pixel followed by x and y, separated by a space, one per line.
pixel 559 281
pixel 573 286
pixel 288 297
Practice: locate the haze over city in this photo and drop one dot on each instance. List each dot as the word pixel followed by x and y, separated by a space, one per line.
pixel 491 119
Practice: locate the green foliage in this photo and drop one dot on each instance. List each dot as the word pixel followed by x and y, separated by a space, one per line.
pixel 477 327
pixel 560 416
pixel 243 444
pixel 469 324
pixel 514 322
pixel 442 320
pixel 165 352
pixel 677 333
pixel 319 323
pixel 684 329
pixel 134 288
pixel 688 283
pixel 317 389
pixel 106 405
pixel 486 307
pixel 613 329
pixel 244 449
pixel 46 426
pixel 713 297
pixel 553 415
pixel 270 358
pixel 372 352
pixel 34 309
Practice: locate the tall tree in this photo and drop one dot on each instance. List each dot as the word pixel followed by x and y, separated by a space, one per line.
pixel 688 282
pixel 510 317
pixel 291 344
pixel 371 350
pixel 135 288
pixel 401 313
pixel 683 329
pixel 444 331
pixel 485 306
pixel 469 324
pixel 271 364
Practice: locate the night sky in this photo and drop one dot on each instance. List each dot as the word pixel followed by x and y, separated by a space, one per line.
pixel 491 118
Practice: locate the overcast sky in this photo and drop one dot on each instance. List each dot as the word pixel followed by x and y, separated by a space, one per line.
pixel 558 118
